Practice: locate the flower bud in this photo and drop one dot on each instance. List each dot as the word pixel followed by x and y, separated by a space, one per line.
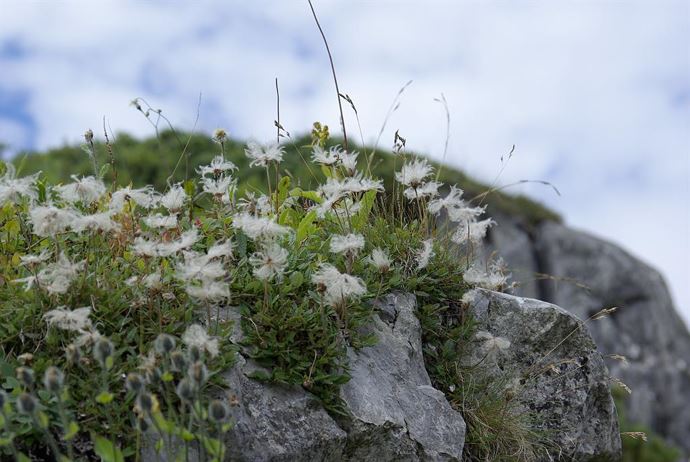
pixel 25 375
pixel 102 350
pixel 194 353
pixel 88 136
pixel 164 344
pixel 218 411
pixel 53 379
pixel 198 373
pixel 26 404
pixel 185 390
pixel 134 382
pixel 178 361
pixel 72 354
pixel 145 402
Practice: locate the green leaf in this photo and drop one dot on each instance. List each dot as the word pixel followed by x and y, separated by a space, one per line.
pixel 296 279
pixel 189 187
pixel 106 450
pixel 43 419
pixel 104 397
pixel 213 446
pixel 167 377
pixel 306 227
pixel 71 431
pixel 21 457
pixel 311 195
pixel 366 204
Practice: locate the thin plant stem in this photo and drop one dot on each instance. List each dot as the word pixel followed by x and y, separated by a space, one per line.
pixel 335 78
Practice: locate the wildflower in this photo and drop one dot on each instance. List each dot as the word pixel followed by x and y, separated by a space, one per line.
pixel 258 227
pixel 425 190
pixel 198 266
pixel 208 290
pixel 492 278
pixel 473 232
pixel 161 221
pixel 350 244
pixel 30 260
pixel 144 197
pixel 221 249
pixel 219 188
pixel 86 190
pixel 164 249
pixel 217 167
pixel 380 260
pixel 414 173
pixel 337 287
pixel 13 189
pixel 96 222
pixel 426 254
pixel 174 199
pixel 47 221
pixel 72 320
pixel 334 190
pixel 455 207
pixel 196 336
pixel 262 155
pixel 55 277
pixel 270 262
pixel 323 157
pixel 349 161
pixel 53 379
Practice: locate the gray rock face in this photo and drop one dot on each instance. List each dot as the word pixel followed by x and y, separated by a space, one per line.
pixel 590 274
pixel 395 410
pixel 552 367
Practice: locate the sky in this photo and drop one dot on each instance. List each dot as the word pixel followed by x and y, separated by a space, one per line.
pixel 595 95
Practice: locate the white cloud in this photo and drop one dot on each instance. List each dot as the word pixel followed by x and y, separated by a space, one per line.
pixel 594 94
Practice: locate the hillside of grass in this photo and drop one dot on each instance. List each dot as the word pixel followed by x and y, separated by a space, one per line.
pixel 173 157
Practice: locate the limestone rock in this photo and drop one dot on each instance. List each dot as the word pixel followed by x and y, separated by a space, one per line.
pixel 553 368
pixel 645 328
pixel 396 413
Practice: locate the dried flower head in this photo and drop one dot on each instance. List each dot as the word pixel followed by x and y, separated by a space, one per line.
pixel 65 319
pixel 86 190
pixel 350 244
pixel 196 336
pixel 270 262
pixel 338 287
pixel 380 260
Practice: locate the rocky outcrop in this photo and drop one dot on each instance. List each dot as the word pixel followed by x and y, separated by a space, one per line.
pixel 550 364
pixel 395 413
pixel 585 274
pixel 547 359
